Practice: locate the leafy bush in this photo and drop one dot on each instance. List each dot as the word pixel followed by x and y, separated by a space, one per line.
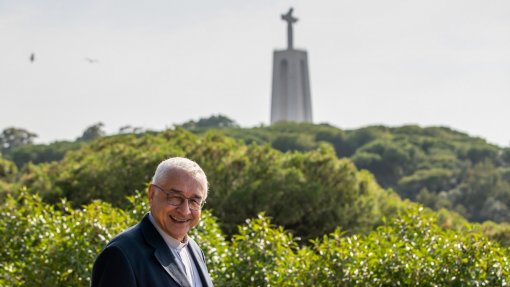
pixel 8 172
pixel 47 245
pixel 412 250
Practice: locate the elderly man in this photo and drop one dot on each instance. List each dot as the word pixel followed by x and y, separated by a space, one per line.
pixel 157 251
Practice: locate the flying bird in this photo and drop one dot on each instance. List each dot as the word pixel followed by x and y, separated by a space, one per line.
pixel 32 57
pixel 92 61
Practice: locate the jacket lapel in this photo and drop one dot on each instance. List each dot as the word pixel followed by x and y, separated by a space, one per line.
pixel 198 258
pixel 171 267
pixel 162 253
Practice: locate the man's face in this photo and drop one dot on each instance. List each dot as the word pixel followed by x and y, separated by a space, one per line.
pixel 176 221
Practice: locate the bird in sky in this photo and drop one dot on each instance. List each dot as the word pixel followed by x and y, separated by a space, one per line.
pixel 32 57
pixel 92 61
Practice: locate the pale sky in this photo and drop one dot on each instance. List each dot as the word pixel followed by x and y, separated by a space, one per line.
pixel 388 62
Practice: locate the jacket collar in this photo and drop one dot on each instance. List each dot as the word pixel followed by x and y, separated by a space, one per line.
pixel 164 256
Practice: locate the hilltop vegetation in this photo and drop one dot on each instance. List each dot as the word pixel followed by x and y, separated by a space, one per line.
pixel 310 193
pixel 436 166
pixel 287 198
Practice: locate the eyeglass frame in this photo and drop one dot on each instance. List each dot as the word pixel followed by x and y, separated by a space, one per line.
pixel 183 198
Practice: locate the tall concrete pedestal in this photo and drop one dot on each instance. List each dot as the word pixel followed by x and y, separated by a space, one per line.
pixel 290 99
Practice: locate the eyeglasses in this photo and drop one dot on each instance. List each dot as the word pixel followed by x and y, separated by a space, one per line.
pixel 175 200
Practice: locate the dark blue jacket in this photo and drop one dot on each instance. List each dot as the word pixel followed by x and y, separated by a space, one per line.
pixel 140 257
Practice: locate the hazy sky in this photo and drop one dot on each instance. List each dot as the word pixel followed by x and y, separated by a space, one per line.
pixel 431 63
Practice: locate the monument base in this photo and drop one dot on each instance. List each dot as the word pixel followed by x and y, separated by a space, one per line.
pixel 291 100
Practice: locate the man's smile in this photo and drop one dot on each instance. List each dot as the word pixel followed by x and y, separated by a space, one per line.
pixel 177 220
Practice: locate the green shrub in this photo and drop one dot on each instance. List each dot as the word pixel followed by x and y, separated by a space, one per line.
pixel 412 250
pixel 47 245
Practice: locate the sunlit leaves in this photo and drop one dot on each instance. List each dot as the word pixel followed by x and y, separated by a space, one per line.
pixel 45 245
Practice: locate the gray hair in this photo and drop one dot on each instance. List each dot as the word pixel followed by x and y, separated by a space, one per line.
pixel 183 164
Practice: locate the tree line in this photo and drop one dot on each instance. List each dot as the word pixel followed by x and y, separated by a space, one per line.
pixel 439 167
pixel 436 166
pixel 309 193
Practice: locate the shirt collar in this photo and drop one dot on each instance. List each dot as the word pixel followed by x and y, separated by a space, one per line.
pixel 169 240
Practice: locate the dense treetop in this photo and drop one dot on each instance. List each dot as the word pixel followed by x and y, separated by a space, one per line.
pixel 437 166
pixel 309 193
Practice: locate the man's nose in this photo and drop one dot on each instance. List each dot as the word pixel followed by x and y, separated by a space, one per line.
pixel 184 208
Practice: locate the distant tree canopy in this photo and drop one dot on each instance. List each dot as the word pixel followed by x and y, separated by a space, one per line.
pixel 309 193
pixel 7 169
pixel 93 132
pixel 41 153
pixel 15 137
pixel 130 130
pixel 437 166
pixel 17 145
pixel 218 121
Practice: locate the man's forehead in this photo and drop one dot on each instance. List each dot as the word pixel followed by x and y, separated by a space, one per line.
pixel 182 181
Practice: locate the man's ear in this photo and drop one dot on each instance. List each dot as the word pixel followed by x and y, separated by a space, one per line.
pixel 150 192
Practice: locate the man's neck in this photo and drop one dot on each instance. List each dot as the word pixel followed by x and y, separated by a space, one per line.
pixel 170 241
